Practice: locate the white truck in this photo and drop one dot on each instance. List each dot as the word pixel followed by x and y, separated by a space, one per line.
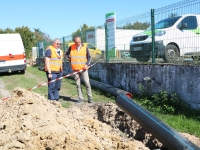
pixel 174 37
pixel 122 38
pixel 12 53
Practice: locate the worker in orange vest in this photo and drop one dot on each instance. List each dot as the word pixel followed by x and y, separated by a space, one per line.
pixel 54 69
pixel 79 56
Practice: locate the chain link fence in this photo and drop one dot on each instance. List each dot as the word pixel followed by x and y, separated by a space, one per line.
pixel 170 34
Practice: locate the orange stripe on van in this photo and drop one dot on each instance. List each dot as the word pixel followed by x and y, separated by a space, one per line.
pixel 11 57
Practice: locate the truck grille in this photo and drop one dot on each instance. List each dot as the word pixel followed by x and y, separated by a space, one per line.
pixel 140 38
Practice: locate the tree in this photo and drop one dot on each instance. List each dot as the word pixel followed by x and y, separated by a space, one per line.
pixel 172 15
pixel 82 32
pixel 27 38
pixel 100 27
pixel 1 31
pixel 38 35
pixel 41 36
pixel 8 30
pixel 136 25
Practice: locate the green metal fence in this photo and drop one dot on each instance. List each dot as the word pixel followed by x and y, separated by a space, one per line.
pixel 177 32
pixel 170 34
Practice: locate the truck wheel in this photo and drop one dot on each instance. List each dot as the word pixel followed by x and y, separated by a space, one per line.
pixel 195 58
pixel 144 59
pixel 22 71
pixel 171 53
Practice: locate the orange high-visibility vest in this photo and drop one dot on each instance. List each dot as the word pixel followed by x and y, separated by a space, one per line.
pixel 55 60
pixel 78 58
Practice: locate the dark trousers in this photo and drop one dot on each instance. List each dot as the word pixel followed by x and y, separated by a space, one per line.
pixel 54 87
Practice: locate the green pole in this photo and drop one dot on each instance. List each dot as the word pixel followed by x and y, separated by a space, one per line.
pixel 44 48
pixel 81 33
pixel 106 46
pixel 63 44
pixel 153 36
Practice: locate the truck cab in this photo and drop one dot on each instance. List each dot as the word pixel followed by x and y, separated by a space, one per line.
pixel 174 37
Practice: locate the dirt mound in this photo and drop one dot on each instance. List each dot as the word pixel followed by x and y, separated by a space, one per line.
pixel 29 122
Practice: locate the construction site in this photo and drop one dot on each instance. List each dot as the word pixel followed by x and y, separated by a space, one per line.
pixel 29 121
pixel 141 79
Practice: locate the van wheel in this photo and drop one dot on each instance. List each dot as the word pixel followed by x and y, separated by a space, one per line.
pixel 171 53
pixel 195 58
pixel 22 71
pixel 144 59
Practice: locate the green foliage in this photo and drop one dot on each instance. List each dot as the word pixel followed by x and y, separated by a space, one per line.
pixel 8 30
pixel 166 103
pixel 169 107
pixel 170 103
pixel 136 25
pixel 100 27
pixel 181 123
pixel 65 104
pixel 1 31
pixel 27 38
pixel 142 90
pixel 172 15
pixel 82 32
pixel 41 36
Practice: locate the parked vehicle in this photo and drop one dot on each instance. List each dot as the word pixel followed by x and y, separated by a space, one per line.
pixel 122 38
pixel 12 53
pixel 125 55
pixel 174 37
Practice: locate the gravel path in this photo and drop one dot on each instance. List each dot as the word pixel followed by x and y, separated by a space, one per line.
pixel 4 93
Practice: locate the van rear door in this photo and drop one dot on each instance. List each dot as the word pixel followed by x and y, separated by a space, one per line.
pixel 12 54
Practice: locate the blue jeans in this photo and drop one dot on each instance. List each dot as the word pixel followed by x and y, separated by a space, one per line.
pixel 54 87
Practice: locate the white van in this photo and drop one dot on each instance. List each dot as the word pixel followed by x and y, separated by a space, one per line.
pixel 12 54
pixel 174 37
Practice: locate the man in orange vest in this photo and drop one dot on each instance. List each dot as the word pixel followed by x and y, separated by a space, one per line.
pixel 79 56
pixel 54 69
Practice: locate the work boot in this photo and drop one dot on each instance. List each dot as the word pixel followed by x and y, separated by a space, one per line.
pixel 79 101
pixel 90 101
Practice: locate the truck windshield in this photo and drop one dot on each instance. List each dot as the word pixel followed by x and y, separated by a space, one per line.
pixel 165 23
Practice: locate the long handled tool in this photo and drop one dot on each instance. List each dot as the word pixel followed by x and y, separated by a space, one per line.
pixel 71 74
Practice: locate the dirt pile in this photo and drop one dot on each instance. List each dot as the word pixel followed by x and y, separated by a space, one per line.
pixel 29 122
pixel 115 117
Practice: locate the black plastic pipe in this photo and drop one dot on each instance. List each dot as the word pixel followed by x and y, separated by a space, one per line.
pixel 105 87
pixel 108 88
pixel 164 133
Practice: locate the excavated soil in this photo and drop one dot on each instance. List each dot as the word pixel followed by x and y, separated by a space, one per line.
pixel 28 121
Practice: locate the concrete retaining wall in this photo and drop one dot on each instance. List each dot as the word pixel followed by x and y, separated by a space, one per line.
pixel 181 79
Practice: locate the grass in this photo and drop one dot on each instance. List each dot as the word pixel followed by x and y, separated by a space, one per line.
pixel 181 123
pixel 172 110
pixel 187 120
pixel 33 77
